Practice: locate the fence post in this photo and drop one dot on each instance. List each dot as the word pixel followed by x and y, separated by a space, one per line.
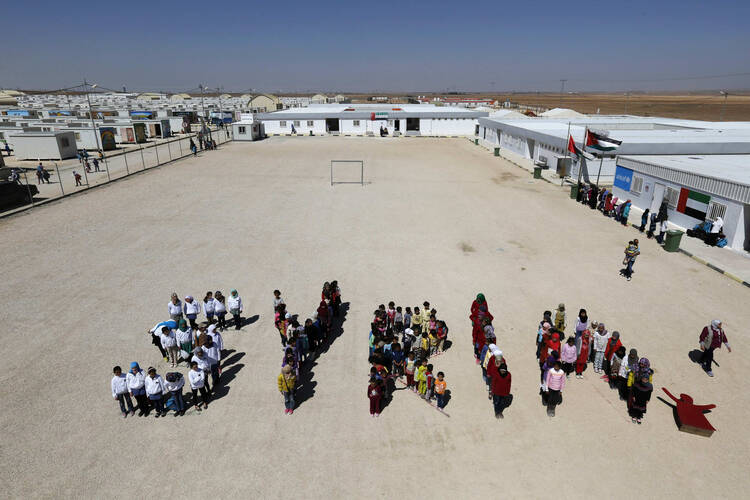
pixel 125 155
pixel 85 175
pixel 59 179
pixel 142 160
pixel 179 143
pixel 169 150
pixel 156 148
pixel 31 198
pixel 106 165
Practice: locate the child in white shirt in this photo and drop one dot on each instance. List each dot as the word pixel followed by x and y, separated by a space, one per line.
pixel 120 391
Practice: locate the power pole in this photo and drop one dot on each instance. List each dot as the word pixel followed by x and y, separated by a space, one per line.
pixel 562 89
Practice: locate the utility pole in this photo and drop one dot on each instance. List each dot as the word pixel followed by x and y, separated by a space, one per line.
pixel 724 104
pixel 562 89
pixel 91 114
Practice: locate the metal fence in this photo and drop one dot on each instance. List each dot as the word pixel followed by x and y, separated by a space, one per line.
pixel 66 178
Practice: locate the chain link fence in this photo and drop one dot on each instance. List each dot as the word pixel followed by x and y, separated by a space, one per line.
pixel 58 179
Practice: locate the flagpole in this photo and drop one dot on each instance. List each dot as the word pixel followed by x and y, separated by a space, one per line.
pixel 567 139
pixel 600 170
pixel 580 160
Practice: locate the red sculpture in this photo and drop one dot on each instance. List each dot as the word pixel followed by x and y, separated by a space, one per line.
pixel 690 417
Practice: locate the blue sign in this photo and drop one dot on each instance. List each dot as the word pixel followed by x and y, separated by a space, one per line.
pixel 623 178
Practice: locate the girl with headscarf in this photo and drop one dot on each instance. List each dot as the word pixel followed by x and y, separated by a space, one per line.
pixel 711 339
pixel 644 220
pixel 136 380
pixel 582 323
pixel 613 344
pixel 185 341
pixel 545 337
pixel 640 395
pixel 624 213
pixel 583 353
pixel 628 366
pixel 554 384
pixel 560 320
pixel 479 301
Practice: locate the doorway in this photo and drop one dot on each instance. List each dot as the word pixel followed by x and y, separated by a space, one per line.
pixel 397 125
pixel 412 124
pixel 476 129
pixel 157 129
pixel 658 197
pixel 332 124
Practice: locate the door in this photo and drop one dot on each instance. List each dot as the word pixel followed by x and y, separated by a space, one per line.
pixel 397 125
pixel 658 197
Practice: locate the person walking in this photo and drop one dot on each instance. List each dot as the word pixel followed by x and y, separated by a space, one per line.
pixel 711 339
pixel 39 173
pixel 632 251
pixel 96 165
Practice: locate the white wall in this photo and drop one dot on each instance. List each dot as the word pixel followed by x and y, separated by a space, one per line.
pixel 515 143
pixel 734 220
pixel 46 147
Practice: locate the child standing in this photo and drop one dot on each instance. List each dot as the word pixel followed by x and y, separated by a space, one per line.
pixel 560 321
pixel 136 380
pixel 440 386
pixel 277 300
pixel 198 383
pixel 286 381
pixel 409 368
pixel 155 391
pixel 192 309
pixel 220 309
pixel 120 392
pixel 416 319
pixel 173 384
pixel 169 343
pixel 391 314
pixel 397 358
pixel 398 321
pixel 501 389
pixel 407 318
pixel 429 383
pixel 174 308
pixel 568 356
pixel 208 306
pixel 583 355
pixel 374 393
pixel 554 386
pixel 601 337
pixel 234 303
pixel 421 378
pixel 184 337
pixel 640 395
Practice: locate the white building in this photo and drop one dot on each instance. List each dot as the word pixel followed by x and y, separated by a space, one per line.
pixel 544 140
pixel 44 145
pixel 247 130
pixel 366 119
pixel 696 187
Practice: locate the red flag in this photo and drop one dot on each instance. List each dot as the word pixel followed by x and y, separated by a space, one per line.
pixel 589 141
pixel 572 145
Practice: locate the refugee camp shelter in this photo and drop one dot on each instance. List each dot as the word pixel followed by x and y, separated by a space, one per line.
pixel 696 188
pixel 58 145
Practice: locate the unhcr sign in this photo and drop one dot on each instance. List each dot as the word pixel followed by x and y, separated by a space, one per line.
pixel 623 178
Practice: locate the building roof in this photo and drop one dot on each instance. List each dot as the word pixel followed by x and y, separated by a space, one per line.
pixel 562 113
pixel 727 176
pixel 364 111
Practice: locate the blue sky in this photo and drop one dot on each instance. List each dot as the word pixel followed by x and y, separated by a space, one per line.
pixel 377 46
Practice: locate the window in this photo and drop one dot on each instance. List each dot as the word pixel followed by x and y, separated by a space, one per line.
pixel 637 186
pixel 78 136
pixel 242 130
pixel 356 123
pixel 282 123
pixel 715 210
pixel 309 123
pixel 672 195
pixel 64 142
pixel 296 123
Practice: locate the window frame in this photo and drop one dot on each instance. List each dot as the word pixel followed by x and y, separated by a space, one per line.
pixel 640 185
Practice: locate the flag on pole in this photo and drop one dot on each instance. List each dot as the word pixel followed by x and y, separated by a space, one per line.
pixel 575 151
pixel 600 142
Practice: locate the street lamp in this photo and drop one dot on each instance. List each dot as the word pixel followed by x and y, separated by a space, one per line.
pixel 724 104
pixel 91 112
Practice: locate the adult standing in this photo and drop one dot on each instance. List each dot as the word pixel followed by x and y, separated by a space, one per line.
pixel 192 309
pixel 174 308
pixel 711 339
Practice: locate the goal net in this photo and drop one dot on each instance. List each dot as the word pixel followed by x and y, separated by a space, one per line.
pixel 347 172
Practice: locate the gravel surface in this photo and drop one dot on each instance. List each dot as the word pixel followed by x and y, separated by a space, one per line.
pixel 439 220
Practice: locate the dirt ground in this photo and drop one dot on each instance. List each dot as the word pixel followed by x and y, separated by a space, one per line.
pixel 438 220
pixel 694 107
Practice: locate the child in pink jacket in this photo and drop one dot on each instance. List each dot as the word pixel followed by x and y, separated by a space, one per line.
pixel 553 387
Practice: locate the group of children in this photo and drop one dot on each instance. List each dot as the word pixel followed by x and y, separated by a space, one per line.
pixel 400 345
pixel 488 355
pixel 180 339
pixel 299 342
pixel 558 357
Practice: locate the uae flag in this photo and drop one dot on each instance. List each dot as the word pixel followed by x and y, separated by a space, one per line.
pixel 601 142
pixel 575 151
pixel 693 204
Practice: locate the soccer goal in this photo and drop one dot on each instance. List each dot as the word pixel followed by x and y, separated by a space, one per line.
pixel 347 172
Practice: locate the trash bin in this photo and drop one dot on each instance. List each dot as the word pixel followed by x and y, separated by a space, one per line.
pixel 537 172
pixel 497 151
pixel 672 241
pixel 476 142
pixel 574 192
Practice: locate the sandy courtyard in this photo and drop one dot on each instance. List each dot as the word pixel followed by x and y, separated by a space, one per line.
pixel 440 220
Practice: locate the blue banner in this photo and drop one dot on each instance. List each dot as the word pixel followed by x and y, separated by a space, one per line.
pixel 623 178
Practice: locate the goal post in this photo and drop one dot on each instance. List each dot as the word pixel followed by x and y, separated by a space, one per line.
pixel 347 172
